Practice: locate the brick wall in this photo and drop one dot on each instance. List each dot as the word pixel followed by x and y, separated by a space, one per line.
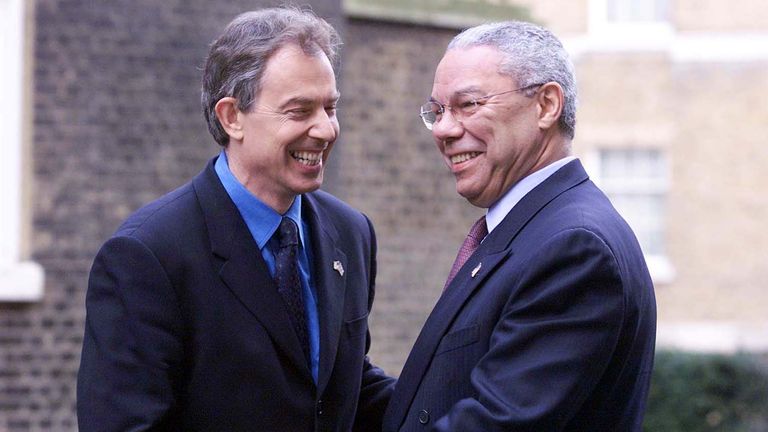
pixel 116 124
pixel 563 17
pixel 718 213
pixel 710 120
pixel 390 169
pixel 719 16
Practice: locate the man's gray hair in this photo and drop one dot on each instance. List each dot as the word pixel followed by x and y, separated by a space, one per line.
pixel 238 58
pixel 532 55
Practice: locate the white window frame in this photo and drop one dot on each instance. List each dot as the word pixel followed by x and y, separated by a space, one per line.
pixel 627 7
pixel 688 47
pixel 659 265
pixel 20 280
pixel 626 35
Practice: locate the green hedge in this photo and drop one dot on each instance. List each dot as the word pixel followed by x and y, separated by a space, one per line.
pixel 707 392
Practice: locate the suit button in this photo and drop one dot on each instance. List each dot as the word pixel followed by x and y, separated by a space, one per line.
pixel 423 416
pixel 319 407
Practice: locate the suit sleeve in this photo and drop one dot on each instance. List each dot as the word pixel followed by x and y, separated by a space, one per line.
pixel 376 386
pixel 552 343
pixel 132 345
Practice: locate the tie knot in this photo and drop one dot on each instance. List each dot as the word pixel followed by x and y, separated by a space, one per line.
pixel 476 234
pixel 479 230
pixel 288 233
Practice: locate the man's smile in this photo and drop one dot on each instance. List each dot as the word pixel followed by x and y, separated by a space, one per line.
pixel 309 158
pixel 463 157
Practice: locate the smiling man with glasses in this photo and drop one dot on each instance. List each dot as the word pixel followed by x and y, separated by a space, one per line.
pixel 547 320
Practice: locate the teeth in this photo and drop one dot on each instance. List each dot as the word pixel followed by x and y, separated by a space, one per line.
pixel 307 158
pixel 464 157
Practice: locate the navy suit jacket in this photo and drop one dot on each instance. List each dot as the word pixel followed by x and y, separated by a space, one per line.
pixel 549 326
pixel 185 329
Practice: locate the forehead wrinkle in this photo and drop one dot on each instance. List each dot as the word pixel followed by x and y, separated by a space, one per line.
pixel 468 70
pixel 466 90
pixel 298 100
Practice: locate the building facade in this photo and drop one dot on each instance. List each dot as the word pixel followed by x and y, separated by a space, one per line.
pixel 671 124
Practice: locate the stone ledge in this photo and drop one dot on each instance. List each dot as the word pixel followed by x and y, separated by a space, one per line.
pixel 713 336
pixel 21 282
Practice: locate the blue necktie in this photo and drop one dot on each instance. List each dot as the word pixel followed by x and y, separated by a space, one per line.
pixel 288 281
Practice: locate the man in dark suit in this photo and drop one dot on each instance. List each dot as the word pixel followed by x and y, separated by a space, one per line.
pixel 239 302
pixel 547 321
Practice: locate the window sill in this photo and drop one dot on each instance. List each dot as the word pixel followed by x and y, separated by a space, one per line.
pixel 713 336
pixel 21 282
pixel 690 47
pixel 642 37
pixel 661 269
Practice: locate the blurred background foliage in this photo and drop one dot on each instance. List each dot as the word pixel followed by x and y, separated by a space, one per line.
pixel 708 392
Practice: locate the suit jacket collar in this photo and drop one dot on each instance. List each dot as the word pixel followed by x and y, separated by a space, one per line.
pixel 570 175
pixel 244 272
pixel 493 251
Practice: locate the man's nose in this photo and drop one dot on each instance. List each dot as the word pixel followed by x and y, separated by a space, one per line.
pixel 325 127
pixel 447 127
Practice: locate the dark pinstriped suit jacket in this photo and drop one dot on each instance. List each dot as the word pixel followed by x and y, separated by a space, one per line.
pixel 550 325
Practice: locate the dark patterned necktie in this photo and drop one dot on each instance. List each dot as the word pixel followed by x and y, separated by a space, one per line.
pixel 476 234
pixel 288 281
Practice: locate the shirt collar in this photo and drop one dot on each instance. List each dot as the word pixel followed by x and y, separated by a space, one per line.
pixel 499 210
pixel 261 219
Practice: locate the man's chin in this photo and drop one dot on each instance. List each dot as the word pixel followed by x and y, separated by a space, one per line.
pixel 468 195
pixel 308 187
pixel 474 197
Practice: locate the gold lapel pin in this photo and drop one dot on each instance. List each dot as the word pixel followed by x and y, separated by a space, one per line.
pixel 338 267
pixel 476 269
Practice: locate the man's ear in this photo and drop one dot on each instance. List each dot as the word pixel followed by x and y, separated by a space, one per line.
pixel 227 113
pixel 550 101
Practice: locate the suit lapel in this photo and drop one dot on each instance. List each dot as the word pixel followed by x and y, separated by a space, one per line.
pixel 492 252
pixel 242 268
pixel 329 283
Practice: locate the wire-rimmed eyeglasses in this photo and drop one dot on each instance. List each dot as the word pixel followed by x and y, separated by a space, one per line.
pixel 466 105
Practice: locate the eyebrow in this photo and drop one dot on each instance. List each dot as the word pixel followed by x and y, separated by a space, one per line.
pixel 302 100
pixel 462 91
pixel 468 90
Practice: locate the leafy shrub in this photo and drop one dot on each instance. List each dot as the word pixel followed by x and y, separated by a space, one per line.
pixel 707 392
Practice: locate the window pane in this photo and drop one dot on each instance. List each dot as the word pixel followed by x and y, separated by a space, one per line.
pixel 635 181
pixel 637 10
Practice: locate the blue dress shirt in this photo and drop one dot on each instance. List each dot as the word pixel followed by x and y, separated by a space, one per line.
pixel 263 221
